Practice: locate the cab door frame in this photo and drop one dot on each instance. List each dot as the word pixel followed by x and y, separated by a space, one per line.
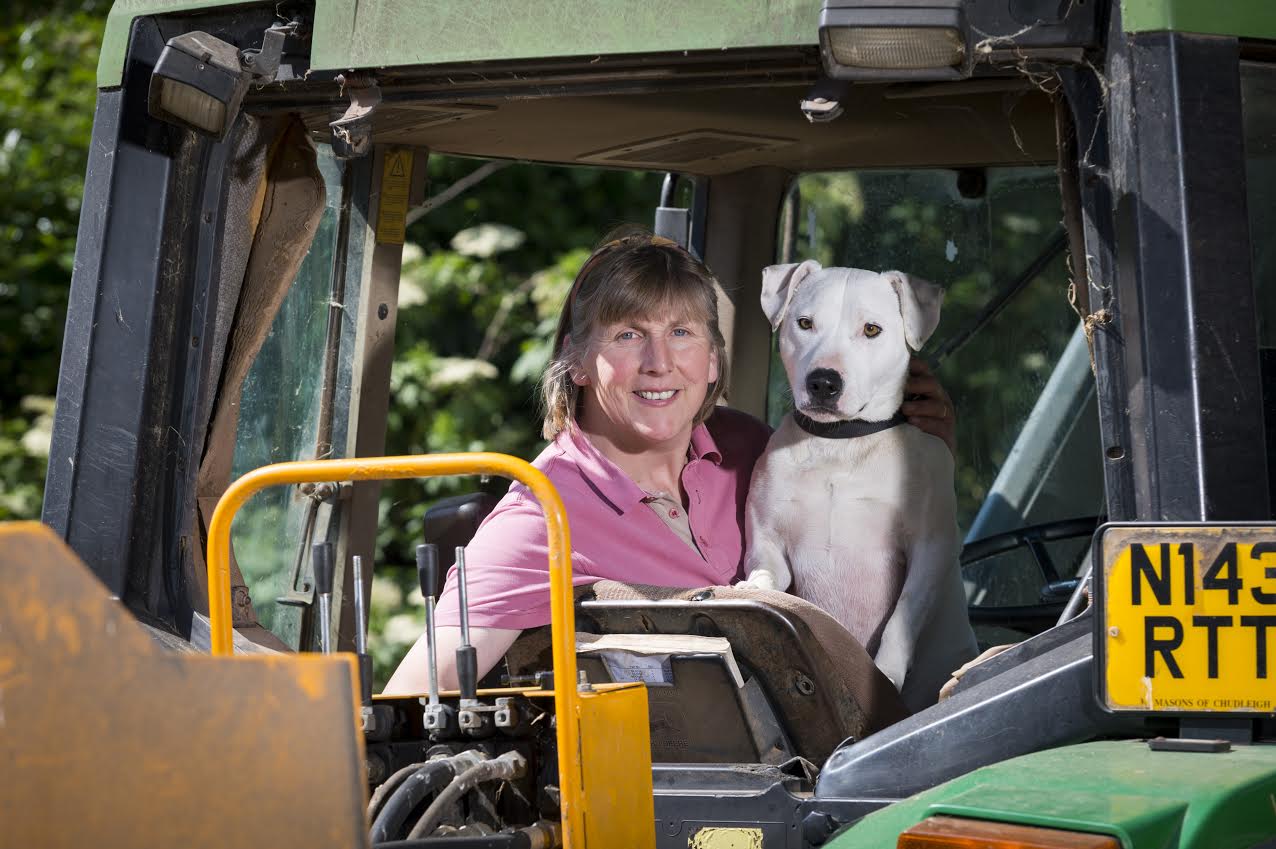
pixel 1161 168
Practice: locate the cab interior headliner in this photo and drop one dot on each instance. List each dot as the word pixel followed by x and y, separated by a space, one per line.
pixel 724 129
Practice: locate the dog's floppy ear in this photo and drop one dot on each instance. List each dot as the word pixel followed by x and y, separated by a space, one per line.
pixel 919 303
pixel 779 282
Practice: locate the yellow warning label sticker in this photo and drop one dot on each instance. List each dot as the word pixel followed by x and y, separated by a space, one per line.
pixel 392 212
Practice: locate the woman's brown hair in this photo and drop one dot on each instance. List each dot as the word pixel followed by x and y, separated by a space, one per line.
pixel 633 275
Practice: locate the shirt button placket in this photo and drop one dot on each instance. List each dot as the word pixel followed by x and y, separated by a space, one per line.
pixel 694 490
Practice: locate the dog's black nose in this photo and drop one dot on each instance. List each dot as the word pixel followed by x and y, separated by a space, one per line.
pixel 824 384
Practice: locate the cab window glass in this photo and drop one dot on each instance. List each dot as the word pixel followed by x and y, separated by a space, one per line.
pixel 1027 440
pixel 1258 105
pixel 279 417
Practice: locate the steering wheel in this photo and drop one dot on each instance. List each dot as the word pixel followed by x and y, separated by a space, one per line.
pixel 1059 593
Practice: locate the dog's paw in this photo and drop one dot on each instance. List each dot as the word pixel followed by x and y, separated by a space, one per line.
pixel 759 580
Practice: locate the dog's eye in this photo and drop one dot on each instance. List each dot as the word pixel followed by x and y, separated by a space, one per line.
pixel 871 330
pixel 805 323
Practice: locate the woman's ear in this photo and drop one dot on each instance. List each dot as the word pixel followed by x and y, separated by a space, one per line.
pixel 576 373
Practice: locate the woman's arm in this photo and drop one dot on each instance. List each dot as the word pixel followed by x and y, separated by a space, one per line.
pixel 508 590
pixel 933 411
pixel 413 676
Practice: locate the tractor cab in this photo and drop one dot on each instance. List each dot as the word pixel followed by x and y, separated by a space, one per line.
pixel 1089 181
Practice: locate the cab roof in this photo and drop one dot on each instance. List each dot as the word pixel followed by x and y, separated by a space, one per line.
pixel 353 35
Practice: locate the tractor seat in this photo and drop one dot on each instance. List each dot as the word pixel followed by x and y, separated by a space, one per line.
pixel 807 684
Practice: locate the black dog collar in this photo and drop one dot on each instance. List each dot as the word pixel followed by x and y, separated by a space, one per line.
pixel 846 429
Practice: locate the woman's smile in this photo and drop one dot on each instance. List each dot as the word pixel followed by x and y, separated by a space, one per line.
pixel 656 396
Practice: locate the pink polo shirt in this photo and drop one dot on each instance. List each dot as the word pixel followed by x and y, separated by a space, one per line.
pixel 613 533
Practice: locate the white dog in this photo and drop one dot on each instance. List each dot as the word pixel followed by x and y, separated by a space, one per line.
pixel 849 503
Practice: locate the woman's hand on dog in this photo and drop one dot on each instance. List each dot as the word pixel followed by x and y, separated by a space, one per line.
pixel 930 408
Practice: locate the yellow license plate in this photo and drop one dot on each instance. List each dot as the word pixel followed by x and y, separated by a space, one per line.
pixel 1187 618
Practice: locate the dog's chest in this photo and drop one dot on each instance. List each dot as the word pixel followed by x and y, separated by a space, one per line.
pixel 847 555
pixel 862 486
pixel 846 528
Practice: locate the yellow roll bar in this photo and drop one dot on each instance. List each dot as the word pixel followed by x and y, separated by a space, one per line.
pixel 562 610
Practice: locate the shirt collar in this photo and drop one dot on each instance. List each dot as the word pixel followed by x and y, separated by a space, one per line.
pixel 703 447
pixel 607 480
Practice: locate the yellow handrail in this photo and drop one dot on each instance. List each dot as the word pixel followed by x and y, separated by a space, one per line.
pixel 562 611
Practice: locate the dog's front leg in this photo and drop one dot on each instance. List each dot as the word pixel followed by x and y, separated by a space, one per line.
pixel 925 582
pixel 946 641
pixel 765 564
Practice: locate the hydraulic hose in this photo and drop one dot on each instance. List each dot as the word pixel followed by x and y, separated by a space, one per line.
pixel 428 779
pixel 387 787
pixel 507 766
pixel 542 835
pixel 499 840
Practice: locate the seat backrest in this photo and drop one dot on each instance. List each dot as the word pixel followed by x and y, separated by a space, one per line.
pixel 802 671
pixel 451 522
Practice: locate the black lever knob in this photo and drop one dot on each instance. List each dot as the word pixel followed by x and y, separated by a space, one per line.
pixel 467 672
pixel 427 568
pixel 321 554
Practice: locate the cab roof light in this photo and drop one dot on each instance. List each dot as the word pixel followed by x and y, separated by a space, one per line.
pixel 942 832
pixel 200 80
pixel 198 83
pixel 891 40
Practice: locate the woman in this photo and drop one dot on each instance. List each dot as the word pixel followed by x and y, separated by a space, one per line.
pixel 653 474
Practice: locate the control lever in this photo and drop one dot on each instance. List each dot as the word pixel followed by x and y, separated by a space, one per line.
pixel 321 558
pixel 427 572
pixel 473 720
pixel 466 658
pixel 361 634
pixel 378 720
pixel 438 718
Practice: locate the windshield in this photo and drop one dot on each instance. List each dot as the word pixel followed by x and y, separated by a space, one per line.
pixel 1008 350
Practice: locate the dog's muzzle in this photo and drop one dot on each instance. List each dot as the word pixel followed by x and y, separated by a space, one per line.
pixel 824 385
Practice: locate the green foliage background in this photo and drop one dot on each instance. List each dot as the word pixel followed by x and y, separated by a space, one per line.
pixel 48 61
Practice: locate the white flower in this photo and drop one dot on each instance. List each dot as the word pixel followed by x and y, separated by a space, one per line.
pixel 36 440
pixel 487 240
pixel 402 629
pixel 459 371
pixel 386 594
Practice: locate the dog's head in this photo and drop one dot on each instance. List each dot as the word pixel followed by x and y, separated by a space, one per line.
pixel 846 335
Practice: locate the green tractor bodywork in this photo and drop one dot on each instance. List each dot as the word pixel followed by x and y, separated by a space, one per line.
pixel 1122 788
pixel 1153 402
pixel 1246 18
pixel 381 36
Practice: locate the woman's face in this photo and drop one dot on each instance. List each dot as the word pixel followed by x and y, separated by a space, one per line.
pixel 643 381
